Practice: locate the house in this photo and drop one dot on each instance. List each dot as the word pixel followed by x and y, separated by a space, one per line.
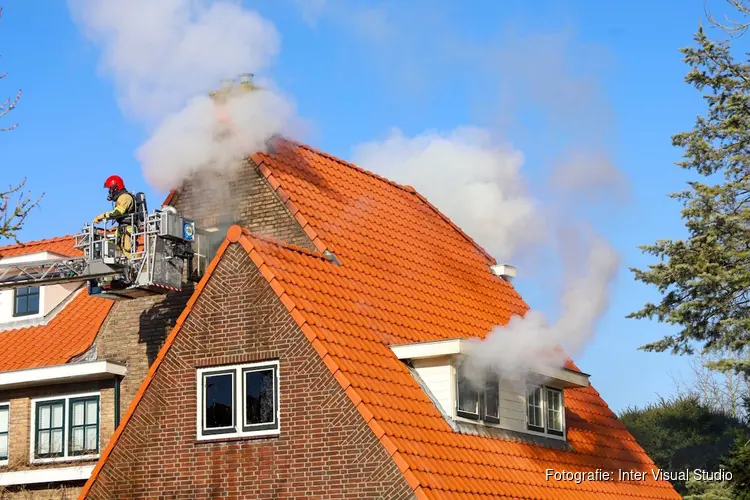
pixel 57 400
pixel 319 356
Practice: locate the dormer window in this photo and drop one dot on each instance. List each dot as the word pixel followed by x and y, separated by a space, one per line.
pixel 26 301
pixel 523 403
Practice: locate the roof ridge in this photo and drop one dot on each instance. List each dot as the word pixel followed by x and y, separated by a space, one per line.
pixel 36 242
pixel 404 187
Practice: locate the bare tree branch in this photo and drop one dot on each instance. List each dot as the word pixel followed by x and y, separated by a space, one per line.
pixel 10 103
pixel 12 219
pixel 725 391
pixel 732 27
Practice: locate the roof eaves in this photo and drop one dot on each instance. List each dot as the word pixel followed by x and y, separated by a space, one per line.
pixel 157 362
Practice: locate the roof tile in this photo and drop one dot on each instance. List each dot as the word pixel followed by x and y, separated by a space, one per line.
pixel 70 332
pixel 407 274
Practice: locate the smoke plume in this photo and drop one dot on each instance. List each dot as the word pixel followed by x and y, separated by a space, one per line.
pixel 164 57
pixel 474 180
pixel 480 182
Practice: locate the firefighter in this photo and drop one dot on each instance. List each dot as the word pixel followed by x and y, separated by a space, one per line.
pixel 124 206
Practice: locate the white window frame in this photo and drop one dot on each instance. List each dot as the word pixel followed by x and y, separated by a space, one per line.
pixel 66 457
pixel 545 423
pixel 240 429
pixel 4 404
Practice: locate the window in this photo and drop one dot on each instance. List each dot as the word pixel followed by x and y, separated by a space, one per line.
pixel 545 411
pixel 468 398
pixel 492 400
pixel 49 429
pixel 84 426
pixel 65 428
pixel 26 301
pixel 240 400
pixel 4 428
pixel 476 403
pixel 205 246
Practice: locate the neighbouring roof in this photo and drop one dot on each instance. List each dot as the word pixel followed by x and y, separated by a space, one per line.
pixel 407 274
pixel 70 332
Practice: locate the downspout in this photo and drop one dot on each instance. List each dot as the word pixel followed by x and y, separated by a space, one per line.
pixel 117 401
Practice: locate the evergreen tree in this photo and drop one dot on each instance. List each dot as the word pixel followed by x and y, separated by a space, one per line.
pixel 705 279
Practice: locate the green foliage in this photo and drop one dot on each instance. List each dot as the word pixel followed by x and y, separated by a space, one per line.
pixel 704 280
pixel 683 433
pixel 709 490
pixel 738 464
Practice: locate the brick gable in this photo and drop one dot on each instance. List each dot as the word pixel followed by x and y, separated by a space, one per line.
pixel 135 330
pixel 325 450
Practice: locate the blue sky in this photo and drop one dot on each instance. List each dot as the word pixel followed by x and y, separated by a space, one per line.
pixel 356 69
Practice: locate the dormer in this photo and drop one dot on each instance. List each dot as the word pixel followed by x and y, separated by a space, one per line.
pixel 531 404
pixel 32 305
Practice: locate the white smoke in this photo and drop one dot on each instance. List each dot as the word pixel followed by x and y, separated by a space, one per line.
pixel 164 56
pixel 470 178
pixel 481 187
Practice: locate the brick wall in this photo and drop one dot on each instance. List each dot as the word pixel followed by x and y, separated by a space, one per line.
pixel 21 422
pixel 42 492
pixel 20 428
pixel 325 449
pixel 244 197
pixel 135 330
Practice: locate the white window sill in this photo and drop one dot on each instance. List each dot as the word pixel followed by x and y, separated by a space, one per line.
pixel 546 435
pixel 53 475
pixel 3 463
pixel 77 458
pixel 240 435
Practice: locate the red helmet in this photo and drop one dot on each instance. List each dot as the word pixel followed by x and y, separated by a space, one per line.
pixel 115 184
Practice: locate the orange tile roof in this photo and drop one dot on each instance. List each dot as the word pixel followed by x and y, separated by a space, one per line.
pixel 69 333
pixel 407 274
pixel 62 245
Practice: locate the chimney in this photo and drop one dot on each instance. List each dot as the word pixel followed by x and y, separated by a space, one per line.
pixel 246 79
pixel 505 271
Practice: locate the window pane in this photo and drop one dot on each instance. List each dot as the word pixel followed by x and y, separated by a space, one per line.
pixel 3 446
pixel 4 419
pixel 554 410
pixel 92 411
pixel 43 442
pixel 492 397
pixel 76 439
pixel 259 398
pixel 219 400
pixel 44 412
pixel 56 443
pixel 20 305
pixel 77 410
pixel 32 306
pixel 91 438
pixel 57 415
pixel 468 396
pixel 534 410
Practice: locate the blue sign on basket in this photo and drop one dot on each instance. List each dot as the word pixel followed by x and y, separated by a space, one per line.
pixel 188 231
